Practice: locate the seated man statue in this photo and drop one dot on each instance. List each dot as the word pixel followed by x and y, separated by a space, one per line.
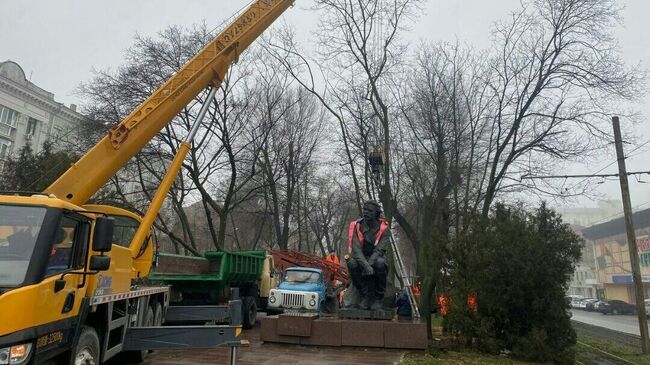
pixel 367 243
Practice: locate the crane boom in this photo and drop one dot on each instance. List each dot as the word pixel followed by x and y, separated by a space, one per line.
pixel 85 177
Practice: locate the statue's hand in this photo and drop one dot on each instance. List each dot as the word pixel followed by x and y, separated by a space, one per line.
pixel 375 255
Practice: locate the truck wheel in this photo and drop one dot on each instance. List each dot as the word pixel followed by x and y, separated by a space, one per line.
pixel 87 350
pixel 136 357
pixel 249 312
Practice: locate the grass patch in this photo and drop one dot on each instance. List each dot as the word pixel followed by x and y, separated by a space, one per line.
pixel 586 344
pixel 460 358
pixel 436 321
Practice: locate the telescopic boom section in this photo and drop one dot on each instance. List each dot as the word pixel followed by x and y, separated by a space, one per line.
pixel 84 178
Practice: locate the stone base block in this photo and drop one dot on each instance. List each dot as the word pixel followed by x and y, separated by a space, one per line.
pixel 270 332
pixel 344 332
pixel 324 333
pixel 404 335
pixel 351 313
pixel 293 325
pixel 362 333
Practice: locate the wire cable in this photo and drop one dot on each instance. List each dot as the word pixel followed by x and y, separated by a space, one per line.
pixel 630 154
pixel 233 16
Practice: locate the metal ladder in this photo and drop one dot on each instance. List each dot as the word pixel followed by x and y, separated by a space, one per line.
pixel 402 273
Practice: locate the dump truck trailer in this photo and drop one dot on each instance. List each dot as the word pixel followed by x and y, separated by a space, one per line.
pixel 210 280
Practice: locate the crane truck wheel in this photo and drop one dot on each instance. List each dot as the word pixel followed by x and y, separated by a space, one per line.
pixel 249 312
pixel 86 352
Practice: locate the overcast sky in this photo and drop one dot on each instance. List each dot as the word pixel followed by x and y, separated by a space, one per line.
pixel 58 44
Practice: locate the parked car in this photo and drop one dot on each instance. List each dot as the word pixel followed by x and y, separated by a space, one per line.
pixel 583 303
pixel 593 306
pixel 616 307
pixel 647 306
pixel 574 300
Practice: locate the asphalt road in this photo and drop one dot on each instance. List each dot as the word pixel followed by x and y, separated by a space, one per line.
pixel 623 322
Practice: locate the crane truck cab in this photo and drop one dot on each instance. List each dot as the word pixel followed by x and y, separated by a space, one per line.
pixel 52 254
pixel 301 288
pixel 70 286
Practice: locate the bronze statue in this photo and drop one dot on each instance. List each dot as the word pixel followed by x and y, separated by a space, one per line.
pixel 367 243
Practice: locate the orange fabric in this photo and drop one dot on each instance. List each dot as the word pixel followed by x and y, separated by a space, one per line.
pixel 383 225
pixel 333 259
pixel 443 300
pixel 471 302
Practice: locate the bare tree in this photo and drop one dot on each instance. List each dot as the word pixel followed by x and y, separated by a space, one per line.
pixel 556 76
pixel 220 162
pixel 286 155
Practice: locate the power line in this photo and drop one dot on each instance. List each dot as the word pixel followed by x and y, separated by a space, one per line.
pixel 530 177
pixel 608 165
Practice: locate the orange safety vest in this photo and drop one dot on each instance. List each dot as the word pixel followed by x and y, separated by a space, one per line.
pixel 383 225
pixel 443 301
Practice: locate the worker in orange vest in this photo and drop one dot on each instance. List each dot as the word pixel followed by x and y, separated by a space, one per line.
pixel 333 258
pixel 368 239
pixel 443 302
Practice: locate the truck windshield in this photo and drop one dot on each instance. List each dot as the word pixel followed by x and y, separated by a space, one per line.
pixel 294 276
pixel 19 227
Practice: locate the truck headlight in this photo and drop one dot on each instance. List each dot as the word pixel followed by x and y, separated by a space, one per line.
pixel 272 299
pixel 312 303
pixel 17 354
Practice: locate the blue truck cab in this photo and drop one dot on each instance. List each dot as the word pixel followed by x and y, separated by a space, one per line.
pixel 301 289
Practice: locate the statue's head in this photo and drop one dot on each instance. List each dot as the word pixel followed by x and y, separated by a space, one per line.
pixel 371 210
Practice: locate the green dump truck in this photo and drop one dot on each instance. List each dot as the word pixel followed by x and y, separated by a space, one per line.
pixel 210 280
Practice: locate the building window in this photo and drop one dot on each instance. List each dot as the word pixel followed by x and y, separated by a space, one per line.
pixel 57 132
pixel 5 148
pixel 31 127
pixel 644 259
pixel 8 116
pixel 5 130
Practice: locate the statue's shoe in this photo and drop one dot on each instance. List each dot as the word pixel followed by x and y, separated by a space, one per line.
pixel 365 304
pixel 376 305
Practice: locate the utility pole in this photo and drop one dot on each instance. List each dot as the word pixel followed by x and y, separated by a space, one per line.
pixel 631 236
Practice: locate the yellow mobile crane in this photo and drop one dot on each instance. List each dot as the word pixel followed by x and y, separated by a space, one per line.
pixel 70 273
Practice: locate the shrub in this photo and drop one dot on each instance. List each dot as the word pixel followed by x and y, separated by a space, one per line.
pixel 518 263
